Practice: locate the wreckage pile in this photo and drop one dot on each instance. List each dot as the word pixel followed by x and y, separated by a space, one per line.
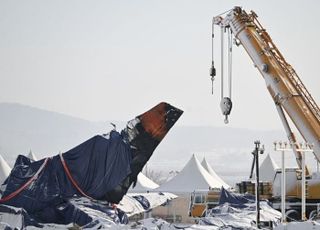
pixel 101 169
pixel 102 213
pixel 239 212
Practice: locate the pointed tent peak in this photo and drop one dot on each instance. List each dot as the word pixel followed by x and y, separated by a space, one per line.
pixel 144 184
pixel 193 162
pixel 210 170
pixel 3 163
pixel 203 161
pixel 147 181
pixel 192 177
pixel 267 169
pixel 194 158
pixel 4 169
pixel 207 166
pixel 211 176
pixel 269 161
pixel 32 156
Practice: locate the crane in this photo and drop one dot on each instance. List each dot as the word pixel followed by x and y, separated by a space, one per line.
pixel 291 97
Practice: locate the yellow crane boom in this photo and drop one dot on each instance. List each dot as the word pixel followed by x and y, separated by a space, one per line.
pixel 284 85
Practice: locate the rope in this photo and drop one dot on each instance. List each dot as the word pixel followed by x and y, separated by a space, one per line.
pixel 35 176
pixel 74 183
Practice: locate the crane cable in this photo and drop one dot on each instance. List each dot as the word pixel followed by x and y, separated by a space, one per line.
pixel 230 61
pixel 222 61
pixel 229 86
pixel 212 69
pixel 226 103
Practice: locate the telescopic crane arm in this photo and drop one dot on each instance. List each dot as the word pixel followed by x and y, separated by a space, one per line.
pixel 285 87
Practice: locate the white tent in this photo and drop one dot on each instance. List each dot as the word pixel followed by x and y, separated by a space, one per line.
pixel 4 170
pixel 267 169
pixel 143 184
pixel 192 177
pixel 207 167
pixel 32 156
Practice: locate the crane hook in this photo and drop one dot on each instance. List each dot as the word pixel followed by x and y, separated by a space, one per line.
pixel 226 106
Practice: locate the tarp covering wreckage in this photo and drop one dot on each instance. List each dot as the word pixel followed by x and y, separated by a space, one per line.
pixel 100 169
pixel 238 211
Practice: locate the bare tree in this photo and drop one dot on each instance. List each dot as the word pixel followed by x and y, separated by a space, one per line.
pixel 158 176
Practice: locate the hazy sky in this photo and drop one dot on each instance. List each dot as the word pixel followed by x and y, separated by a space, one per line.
pixel 103 60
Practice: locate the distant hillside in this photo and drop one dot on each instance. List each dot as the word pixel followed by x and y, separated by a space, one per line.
pixel 24 128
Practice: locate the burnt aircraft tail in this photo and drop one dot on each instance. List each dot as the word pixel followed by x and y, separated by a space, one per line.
pixel 144 133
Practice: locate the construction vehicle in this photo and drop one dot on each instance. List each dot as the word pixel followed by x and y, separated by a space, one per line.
pixel 203 200
pixel 291 98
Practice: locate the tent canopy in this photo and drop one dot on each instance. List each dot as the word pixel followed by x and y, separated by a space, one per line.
pixel 4 170
pixel 143 184
pixel 32 156
pixel 267 169
pixel 210 170
pixel 192 177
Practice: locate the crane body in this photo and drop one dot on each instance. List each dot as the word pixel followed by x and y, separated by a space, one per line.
pixel 292 99
pixel 285 87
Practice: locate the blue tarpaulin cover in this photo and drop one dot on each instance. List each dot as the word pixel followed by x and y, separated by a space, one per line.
pixel 143 201
pixel 98 165
pixel 235 200
pixel 238 211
